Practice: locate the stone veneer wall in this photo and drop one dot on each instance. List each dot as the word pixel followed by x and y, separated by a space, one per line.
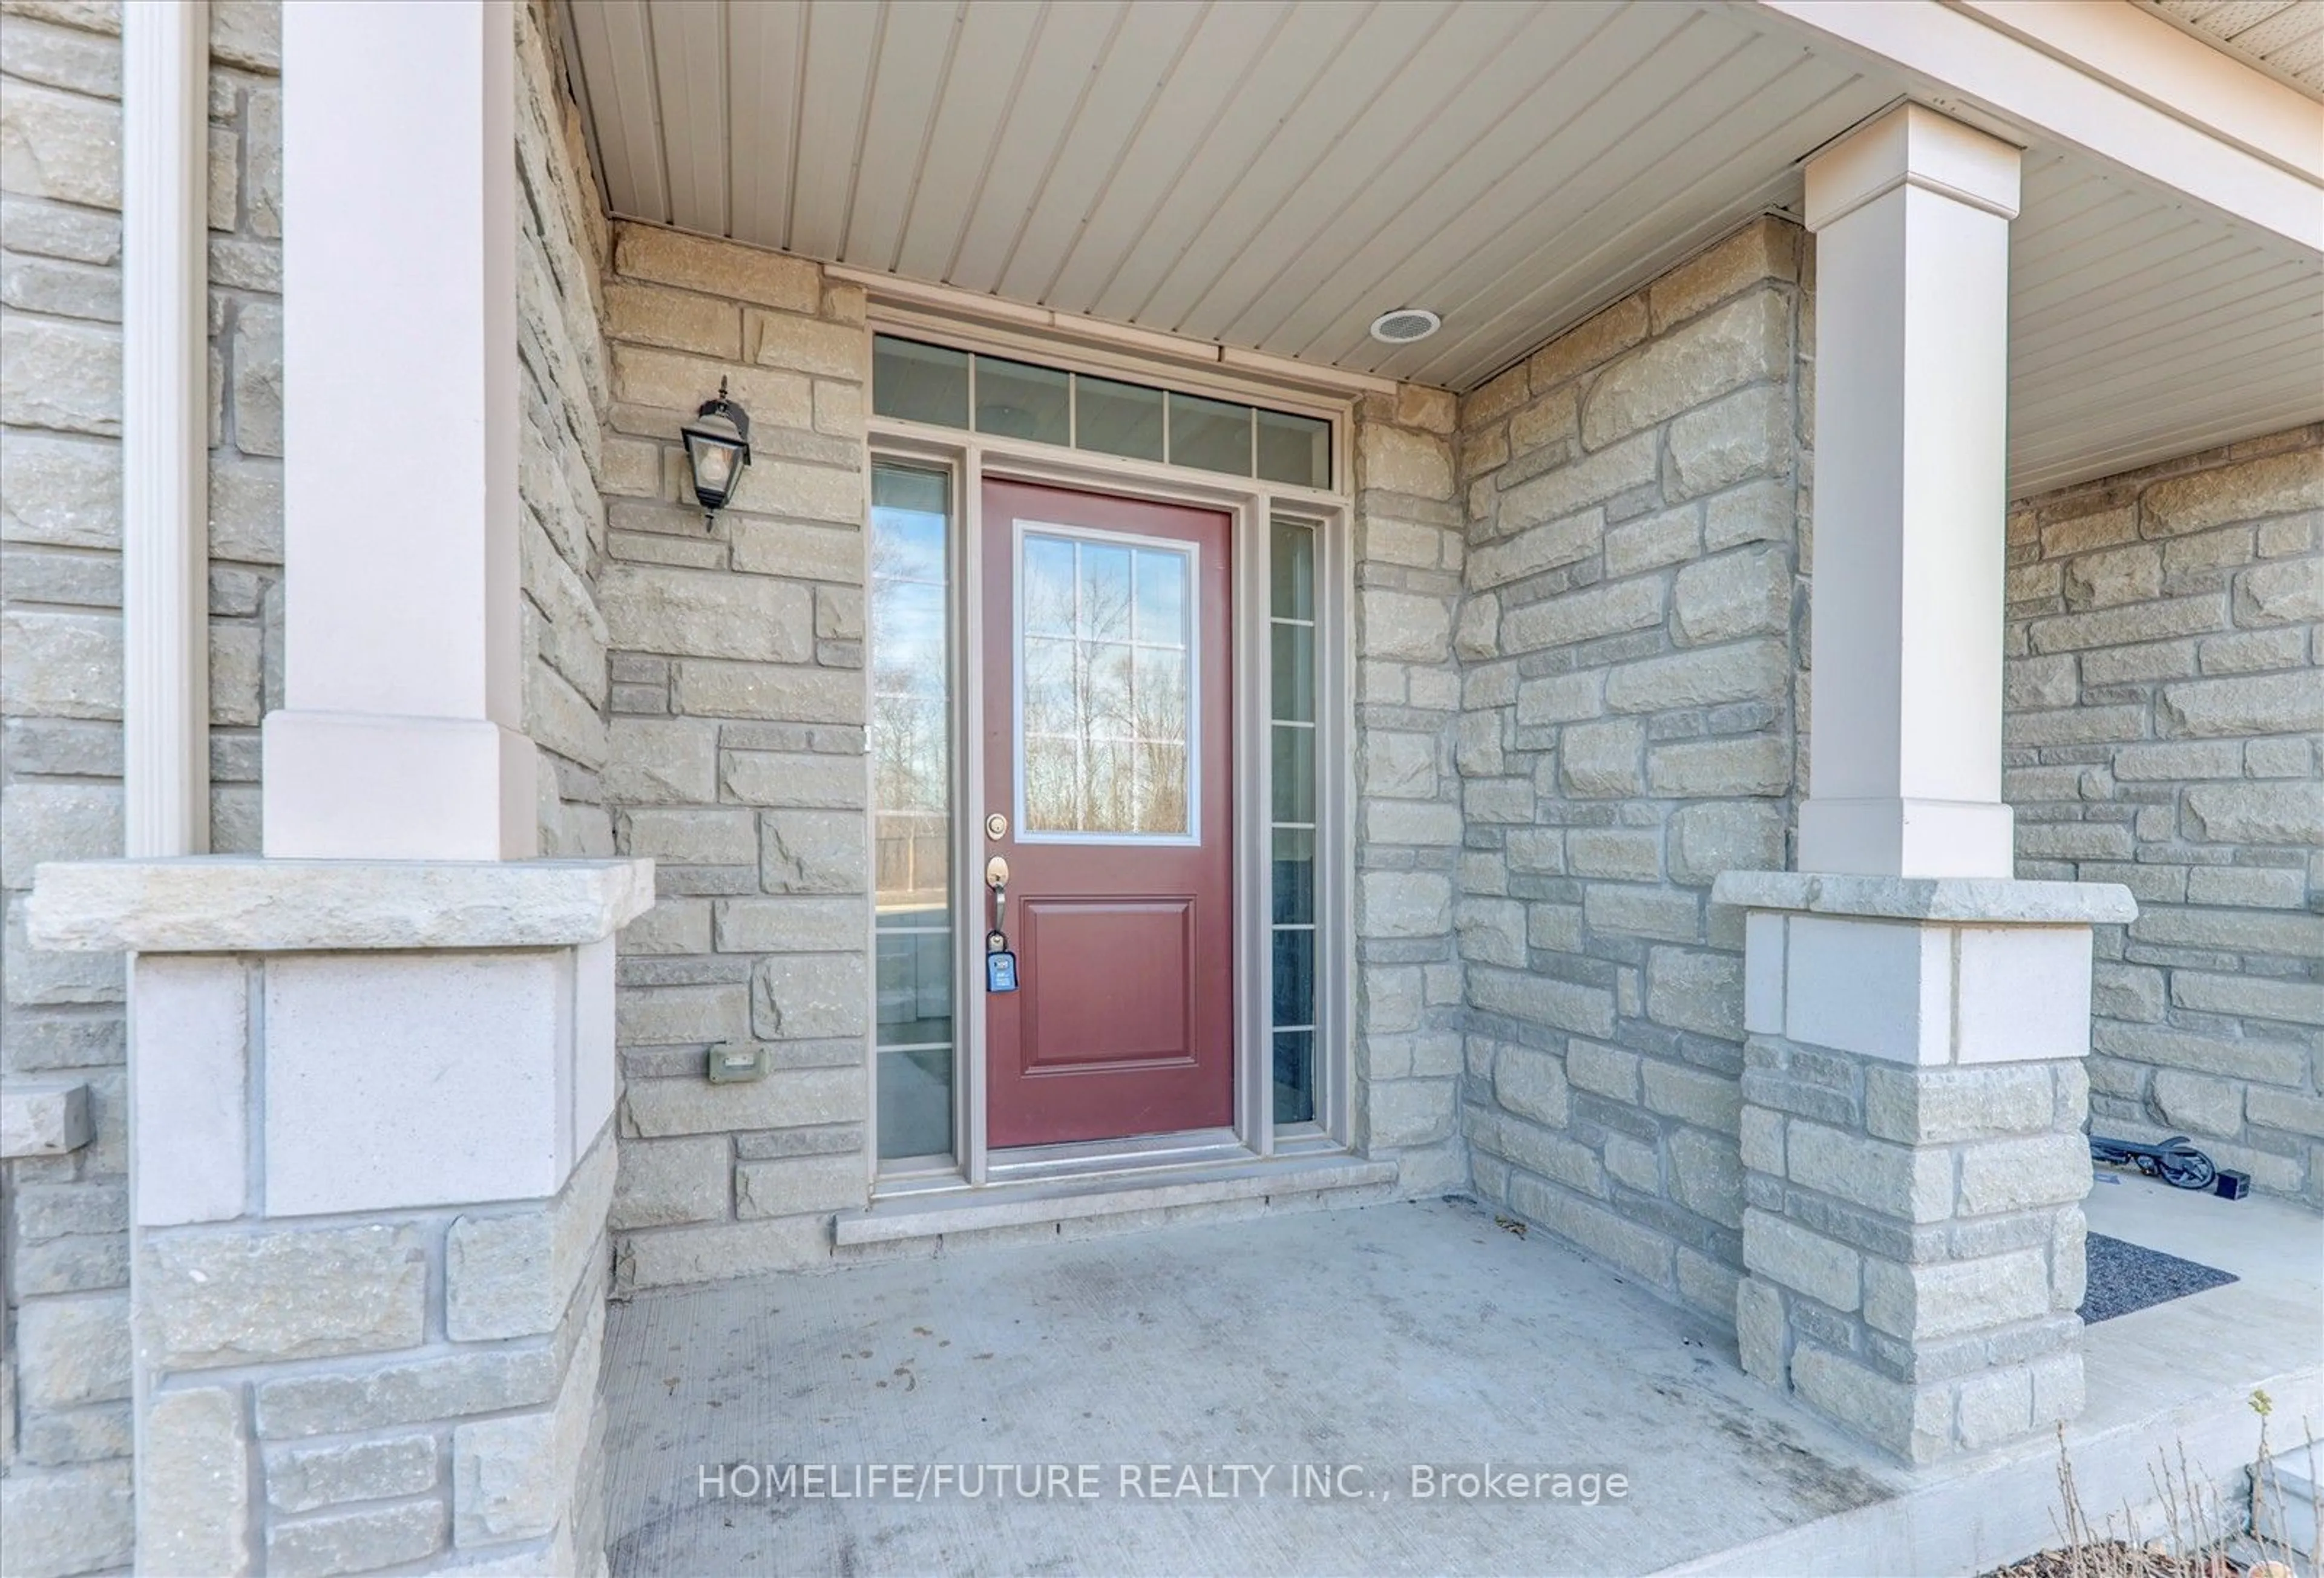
pixel 737 762
pixel 562 237
pixel 1634 656
pixel 2166 630
pixel 737 756
pixel 64 1332
pixel 1409 547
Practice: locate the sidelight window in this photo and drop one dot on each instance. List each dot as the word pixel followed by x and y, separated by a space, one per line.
pixel 911 798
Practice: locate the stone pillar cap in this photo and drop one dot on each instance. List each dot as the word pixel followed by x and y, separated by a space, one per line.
pixel 1983 901
pixel 208 904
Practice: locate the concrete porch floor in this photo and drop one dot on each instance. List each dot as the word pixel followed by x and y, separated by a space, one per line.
pixel 1381 1336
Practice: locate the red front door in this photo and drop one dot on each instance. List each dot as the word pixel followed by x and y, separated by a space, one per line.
pixel 1107 750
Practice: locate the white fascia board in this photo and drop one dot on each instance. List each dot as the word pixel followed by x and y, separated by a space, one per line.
pixel 1957 58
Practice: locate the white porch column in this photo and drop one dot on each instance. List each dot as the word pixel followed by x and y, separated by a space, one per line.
pixel 1915 1021
pixel 1910 216
pixel 401 737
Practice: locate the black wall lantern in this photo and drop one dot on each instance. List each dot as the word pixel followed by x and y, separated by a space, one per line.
pixel 717 446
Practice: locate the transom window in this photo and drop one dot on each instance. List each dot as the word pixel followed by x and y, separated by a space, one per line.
pixel 944 388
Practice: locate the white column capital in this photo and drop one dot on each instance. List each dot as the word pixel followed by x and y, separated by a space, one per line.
pixel 1911 145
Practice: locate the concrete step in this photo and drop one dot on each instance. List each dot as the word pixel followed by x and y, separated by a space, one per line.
pixel 2284 1497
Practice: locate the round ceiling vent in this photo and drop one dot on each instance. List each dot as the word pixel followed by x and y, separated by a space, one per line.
pixel 1406 325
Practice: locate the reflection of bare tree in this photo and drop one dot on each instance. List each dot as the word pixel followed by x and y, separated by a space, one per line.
pixel 1105 719
pixel 911 764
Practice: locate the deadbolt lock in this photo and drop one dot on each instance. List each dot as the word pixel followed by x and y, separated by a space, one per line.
pixel 996 826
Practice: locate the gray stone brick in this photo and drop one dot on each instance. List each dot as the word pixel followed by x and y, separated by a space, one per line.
pixel 303 1478
pixel 355 1542
pixel 227 1297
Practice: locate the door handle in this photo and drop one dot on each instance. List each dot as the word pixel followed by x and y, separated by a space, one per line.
pixel 996 877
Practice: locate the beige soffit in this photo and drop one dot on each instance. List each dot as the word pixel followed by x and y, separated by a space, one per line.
pixel 1267 176
pixel 2284 38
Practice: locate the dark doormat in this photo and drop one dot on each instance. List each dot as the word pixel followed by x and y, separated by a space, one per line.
pixel 2125 1276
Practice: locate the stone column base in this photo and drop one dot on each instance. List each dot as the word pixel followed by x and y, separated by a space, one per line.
pixel 1914 1155
pixel 372 1156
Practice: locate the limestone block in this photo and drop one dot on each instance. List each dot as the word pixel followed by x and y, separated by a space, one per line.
pixel 677 1016
pixel 1914 1184
pixel 62 492
pixel 302 1479
pixel 1759 670
pixel 1635 604
pixel 227 1297
pixel 1709 837
pixel 797 1184
pixel 1671 537
pixel 1706 1175
pixel 1784 1253
pixel 665 1182
pixel 410 1392
pixel 1926 1302
pixel 803 553
pixel 1532 1084
pixel 1630 910
pixel 1602 759
pixel 1741 434
pixel 61 145
pixel 355 1542
pixel 1616 1239
pixel 691 835
pixel 1937 1107
pixel 512 1274
pixel 68 1521
pixel 785 1098
pixel 2256 813
pixel 1492 930
pixel 1555 1157
pixel 1397 459
pixel 59 375
pixel 1550 419
pixel 1561 698
pixel 1397 765
pixel 661 761
pixel 73 1351
pixel 1411 1112
pixel 718 267
pixel 810 996
pixel 790 925
pixel 263 158
pixel 2158 621
pixel 2024 1173
pixel 1432 410
pixel 811 852
pixel 1594 479
pixel 1587 344
pixel 2275 484
pixel 2114 577
pixel 1404 626
pixel 2199 1103
pixel 193 1483
pixel 1766 248
pixel 677 320
pixel 1744 342
pixel 1694 769
pixel 806 344
pixel 43 1117
pixel 1736 594
pixel 1763 511
pixel 692 612
pixel 1565 540
pixel 246 510
pixel 652 385
pixel 1403 904
pixel 788 692
pixel 1711 1101
pixel 258 378
pixel 1627 854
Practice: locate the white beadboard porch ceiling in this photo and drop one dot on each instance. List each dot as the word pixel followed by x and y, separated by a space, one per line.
pixel 1273 174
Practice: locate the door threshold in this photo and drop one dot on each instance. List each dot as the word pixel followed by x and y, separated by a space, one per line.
pixel 932 1214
